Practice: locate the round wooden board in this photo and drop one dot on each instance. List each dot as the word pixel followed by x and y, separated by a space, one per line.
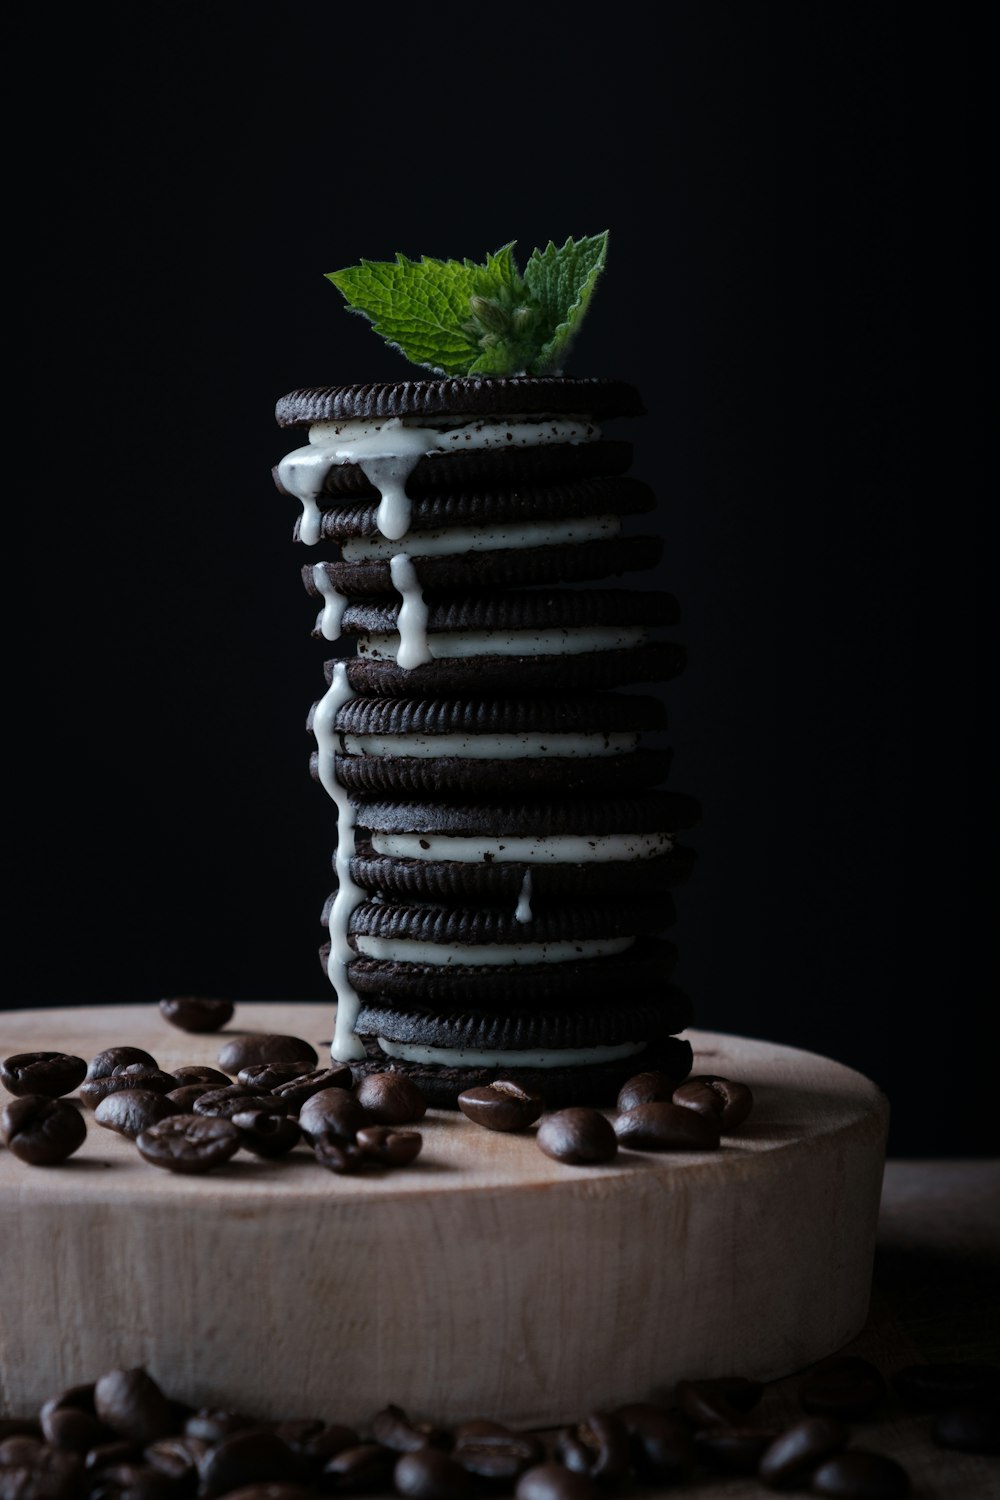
pixel 485 1279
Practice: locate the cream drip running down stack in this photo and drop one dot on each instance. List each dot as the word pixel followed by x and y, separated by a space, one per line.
pixel 505 851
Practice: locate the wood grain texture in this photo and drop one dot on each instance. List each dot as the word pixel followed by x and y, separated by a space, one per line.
pixel 486 1278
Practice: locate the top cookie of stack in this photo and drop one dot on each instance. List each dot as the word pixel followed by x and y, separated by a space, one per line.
pixel 502 864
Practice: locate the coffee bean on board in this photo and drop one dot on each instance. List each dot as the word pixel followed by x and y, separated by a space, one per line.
pixel 69 1420
pixel 724 1399
pixel 857 1474
pixel 732 1101
pixel 177 1457
pixel 126 1076
pixel 50 1074
pixel 796 1452
pixel 222 1104
pixel 579 1137
pixel 848 1388
pixel 429 1474
pixel 317 1445
pixel 132 1111
pixel 666 1127
pixel 661 1445
pixel 197 1012
pixel 105 1063
pixel 555 1482
pixel 340 1156
pixel 42 1132
pixel 646 1088
pixel 275 1491
pixel 110 1455
pixel 264 1047
pixel 389 1146
pixel 494 1454
pixel 265 1134
pixel 332 1113
pixel 393 1429
pixel 354 1471
pixel 391 1099
pixel 935 1387
pixel 211 1424
pixel 131 1404
pixel 195 1073
pixel 501 1105
pixel 261 1078
pixel 733 1449
pixel 30 1470
pixel 598 1446
pixel 249 1456
pixel 294 1092
pixel 185 1096
pixel 189 1144
pixel 130 1481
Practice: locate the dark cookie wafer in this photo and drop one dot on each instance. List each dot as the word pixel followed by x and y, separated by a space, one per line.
pixel 586 671
pixel 539 609
pixel 371 761
pixel 653 812
pixel 464 883
pixel 470 396
pixel 473 928
pixel 436 510
pixel 645 965
pixel 597 1083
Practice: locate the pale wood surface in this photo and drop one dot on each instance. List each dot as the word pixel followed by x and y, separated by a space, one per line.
pixel 484 1278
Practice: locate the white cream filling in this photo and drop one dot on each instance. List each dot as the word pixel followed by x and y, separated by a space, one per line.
pixel 334 604
pixel 458 644
pixel 474 1057
pixel 548 849
pixel 413 648
pixel 388 451
pixel 446 541
pixel 522 911
pixel 480 955
pixel 490 746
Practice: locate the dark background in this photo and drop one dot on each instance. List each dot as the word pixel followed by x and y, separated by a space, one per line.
pixel 791 192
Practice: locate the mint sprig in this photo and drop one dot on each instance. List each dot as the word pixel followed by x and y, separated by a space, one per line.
pixel 461 318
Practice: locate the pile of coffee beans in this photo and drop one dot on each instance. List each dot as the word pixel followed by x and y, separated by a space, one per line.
pixel 123 1438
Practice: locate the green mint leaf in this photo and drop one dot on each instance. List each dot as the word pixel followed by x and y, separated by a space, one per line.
pixel 463 318
pixel 561 281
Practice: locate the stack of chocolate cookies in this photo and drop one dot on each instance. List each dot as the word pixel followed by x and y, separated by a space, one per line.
pixel 504 859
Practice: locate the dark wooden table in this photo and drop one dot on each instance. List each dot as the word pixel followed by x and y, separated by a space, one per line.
pixel 936 1297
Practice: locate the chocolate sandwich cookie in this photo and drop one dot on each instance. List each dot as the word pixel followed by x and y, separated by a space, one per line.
pixel 495 747
pixel 489 854
pixel 471 395
pixel 525 642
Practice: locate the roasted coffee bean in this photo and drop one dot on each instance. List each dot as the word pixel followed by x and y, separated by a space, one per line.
pixel 971 1429
pixel 130 1482
pixel 316 1443
pixel 733 1450
pixel 792 1457
pixel 342 1157
pixel 185 1096
pixel 222 1104
pixel 356 1471
pixel 50 1074
pixel 646 1088
pixel 197 1012
pixel 391 1099
pixel 189 1144
pixel 388 1146
pixel 212 1424
pixel 131 1111
pixel 496 1456
pixel 272 1492
pixel 265 1047
pixel 501 1105
pixel 712 1403
pixel 132 1405
pixel 109 1455
pixel 598 1446
pixel 178 1458
pixel 36 1471
pixel 42 1132
pixel 195 1073
pixel 253 1455
pixel 666 1127
pixel 661 1445
pixel 69 1421
pixel 294 1092
pixel 857 1474
pixel 262 1078
pixel 332 1113
pixel 848 1388
pixel 128 1076
pixel 580 1137
pixel 429 1474
pixel 936 1387
pixel 394 1429
pixel 265 1134
pixel 105 1063
pixel 555 1482
pixel 300 1431
pixel 730 1101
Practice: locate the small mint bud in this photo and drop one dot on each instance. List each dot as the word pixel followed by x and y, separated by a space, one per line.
pixel 490 314
pixel 524 317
